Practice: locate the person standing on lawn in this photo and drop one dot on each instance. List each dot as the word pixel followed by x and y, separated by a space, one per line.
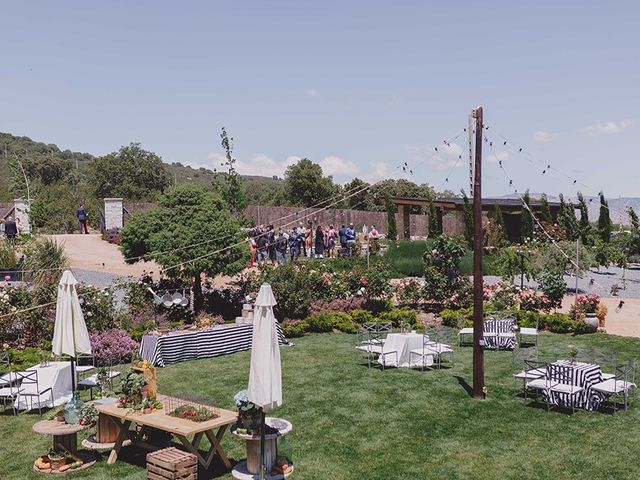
pixel 342 235
pixel 319 244
pixel 294 244
pixel 350 234
pixel 81 213
pixel 308 240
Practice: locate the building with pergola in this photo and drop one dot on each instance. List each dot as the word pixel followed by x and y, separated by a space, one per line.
pixel 449 211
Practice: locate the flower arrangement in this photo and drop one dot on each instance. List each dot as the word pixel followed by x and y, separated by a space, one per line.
pixel 88 415
pixel 249 414
pixel 573 353
pixel 150 405
pixel 132 385
pixel 588 303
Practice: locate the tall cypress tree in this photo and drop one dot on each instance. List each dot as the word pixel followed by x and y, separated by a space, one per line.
pixel 434 227
pixel 500 221
pixel 633 218
pixel 527 218
pixel 467 218
pixel 392 226
pixel 604 221
pixel 568 220
pixel 545 210
pixel 585 225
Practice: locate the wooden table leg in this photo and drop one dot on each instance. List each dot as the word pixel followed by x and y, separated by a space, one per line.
pixel 205 462
pixel 124 430
pixel 215 444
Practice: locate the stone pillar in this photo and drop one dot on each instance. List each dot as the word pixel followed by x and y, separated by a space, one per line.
pixel 22 209
pixel 113 213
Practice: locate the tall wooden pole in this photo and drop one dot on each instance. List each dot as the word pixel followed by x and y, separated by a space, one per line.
pixel 478 340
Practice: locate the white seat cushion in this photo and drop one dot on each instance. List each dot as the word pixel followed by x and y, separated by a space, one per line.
pixel 565 388
pixel 613 386
pixel 9 392
pixel 530 374
pixel 528 331
pixel 608 376
pixel 370 348
pixel 426 352
pixel 539 383
pixel 466 330
pixel 507 335
pixel 84 368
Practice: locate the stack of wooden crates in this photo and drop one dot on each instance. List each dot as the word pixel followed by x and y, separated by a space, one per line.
pixel 171 464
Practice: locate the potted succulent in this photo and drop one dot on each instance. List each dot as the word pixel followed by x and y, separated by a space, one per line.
pixel 57 458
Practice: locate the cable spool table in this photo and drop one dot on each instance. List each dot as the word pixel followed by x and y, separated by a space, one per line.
pixel 249 469
pixel 65 437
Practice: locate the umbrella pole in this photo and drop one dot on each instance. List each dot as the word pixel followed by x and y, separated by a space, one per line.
pixel 263 467
pixel 73 375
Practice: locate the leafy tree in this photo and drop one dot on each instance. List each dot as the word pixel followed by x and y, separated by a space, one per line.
pixel 501 233
pixel 511 262
pixel 399 188
pixel 604 221
pixel 359 196
pixel 230 187
pixel 545 210
pixel 205 241
pixel 442 269
pixel 434 226
pixel 50 215
pixel 131 172
pixel 554 287
pixel 586 232
pixel 561 256
pixel 467 219
pixel 392 227
pixel 568 220
pixel 305 185
pixel 633 218
pixel 527 219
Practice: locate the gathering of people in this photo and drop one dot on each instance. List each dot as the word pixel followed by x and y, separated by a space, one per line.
pixel 269 244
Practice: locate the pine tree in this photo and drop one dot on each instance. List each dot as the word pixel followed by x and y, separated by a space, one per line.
pixel 434 227
pixel 500 222
pixel 585 225
pixel 545 210
pixel 604 221
pixel 467 218
pixel 527 218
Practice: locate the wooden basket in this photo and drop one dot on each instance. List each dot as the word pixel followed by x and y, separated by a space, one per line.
pixel 171 464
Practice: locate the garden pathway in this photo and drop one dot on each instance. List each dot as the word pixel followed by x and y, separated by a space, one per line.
pixel 90 252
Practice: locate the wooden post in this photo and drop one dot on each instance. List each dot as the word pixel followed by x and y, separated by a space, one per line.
pixel 478 340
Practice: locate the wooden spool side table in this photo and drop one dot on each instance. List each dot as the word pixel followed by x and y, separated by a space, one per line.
pixel 65 436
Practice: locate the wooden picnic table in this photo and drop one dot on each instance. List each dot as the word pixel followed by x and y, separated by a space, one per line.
pixel 181 428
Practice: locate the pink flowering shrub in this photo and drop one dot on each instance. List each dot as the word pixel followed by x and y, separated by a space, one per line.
pixel 588 303
pixel 113 346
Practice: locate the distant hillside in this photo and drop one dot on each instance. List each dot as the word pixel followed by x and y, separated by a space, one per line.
pixel 28 150
pixel 617 206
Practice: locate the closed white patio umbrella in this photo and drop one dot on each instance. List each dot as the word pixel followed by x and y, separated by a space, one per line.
pixel 70 335
pixel 265 378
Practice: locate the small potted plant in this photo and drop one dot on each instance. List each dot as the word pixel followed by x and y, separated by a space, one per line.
pixel 88 415
pixel 573 353
pixel 249 414
pixel 57 458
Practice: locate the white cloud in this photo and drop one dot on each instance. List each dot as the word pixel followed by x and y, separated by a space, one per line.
pixel 259 164
pixel 311 92
pixel 446 157
pixel 607 128
pixel 379 171
pixel 544 137
pixel 338 167
pixel 498 157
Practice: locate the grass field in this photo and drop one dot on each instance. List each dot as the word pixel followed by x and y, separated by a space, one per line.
pixel 354 423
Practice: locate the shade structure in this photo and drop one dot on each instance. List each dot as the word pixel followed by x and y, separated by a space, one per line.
pixel 70 335
pixel 265 378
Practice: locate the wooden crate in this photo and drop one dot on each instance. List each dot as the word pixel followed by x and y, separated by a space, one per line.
pixel 171 464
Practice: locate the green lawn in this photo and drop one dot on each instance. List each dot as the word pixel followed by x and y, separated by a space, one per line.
pixel 354 423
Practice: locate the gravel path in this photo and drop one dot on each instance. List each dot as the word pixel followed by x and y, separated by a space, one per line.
pixel 595 281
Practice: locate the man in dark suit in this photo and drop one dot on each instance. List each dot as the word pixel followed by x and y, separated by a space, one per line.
pixel 10 228
pixel 81 213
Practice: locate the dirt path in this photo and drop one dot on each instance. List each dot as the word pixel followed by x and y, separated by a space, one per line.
pixel 624 322
pixel 90 252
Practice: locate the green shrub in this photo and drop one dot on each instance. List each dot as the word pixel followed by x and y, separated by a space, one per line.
pixel 8 258
pixel 559 323
pixel 294 330
pixel 327 322
pixel 400 316
pixel 405 257
pixel 362 316
pixel 344 322
pixel 322 322
pixel 26 358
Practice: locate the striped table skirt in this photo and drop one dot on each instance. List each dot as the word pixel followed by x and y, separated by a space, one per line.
pixel 580 374
pixel 180 347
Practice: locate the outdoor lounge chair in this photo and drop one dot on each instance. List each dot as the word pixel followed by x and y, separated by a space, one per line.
pixel 463 334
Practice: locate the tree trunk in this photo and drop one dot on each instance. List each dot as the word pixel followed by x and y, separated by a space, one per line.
pixel 198 300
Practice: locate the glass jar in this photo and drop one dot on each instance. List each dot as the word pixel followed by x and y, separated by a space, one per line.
pixel 72 410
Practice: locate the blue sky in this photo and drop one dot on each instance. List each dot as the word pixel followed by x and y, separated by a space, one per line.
pixel 358 86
